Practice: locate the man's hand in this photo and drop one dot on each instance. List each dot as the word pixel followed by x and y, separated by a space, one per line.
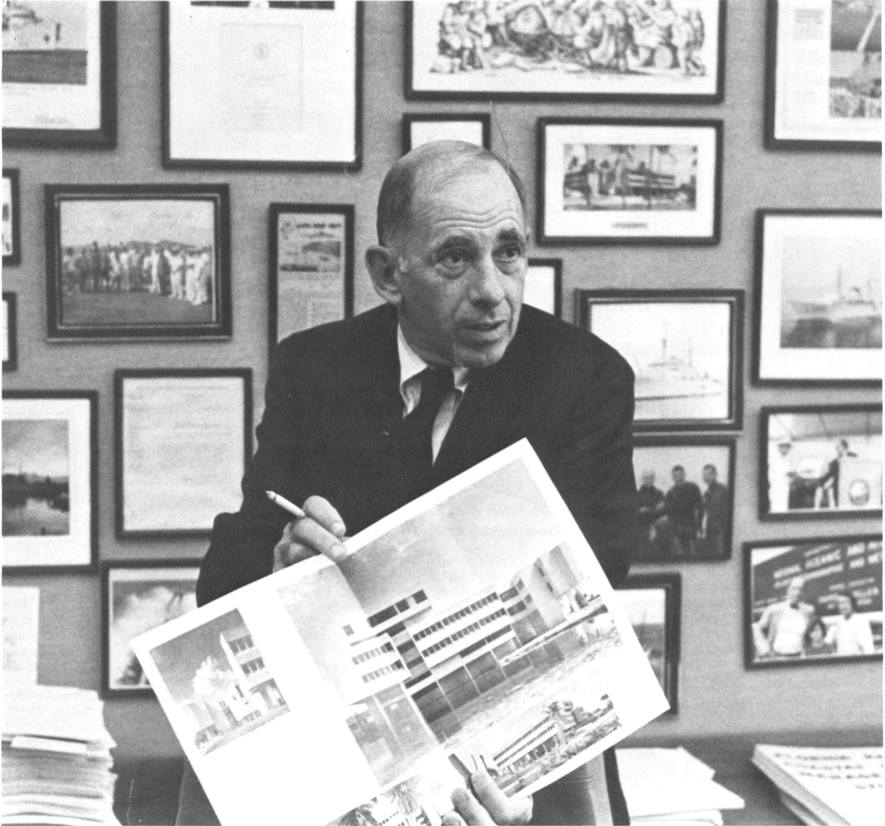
pixel 488 806
pixel 319 532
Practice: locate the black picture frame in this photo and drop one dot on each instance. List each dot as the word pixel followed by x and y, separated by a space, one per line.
pixel 802 483
pixel 14 257
pixel 323 310
pixel 714 543
pixel 482 119
pixel 111 684
pixel 519 87
pixel 654 372
pixel 202 309
pixel 667 670
pixel 818 320
pixel 144 528
pixel 81 458
pixel 555 264
pixel 829 567
pixel 10 308
pixel 104 136
pixel 565 211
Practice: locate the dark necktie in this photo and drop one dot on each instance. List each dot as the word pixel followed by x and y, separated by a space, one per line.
pixel 415 434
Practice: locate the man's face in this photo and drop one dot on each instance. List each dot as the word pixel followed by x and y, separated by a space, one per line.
pixel 462 264
pixel 784 448
pixel 846 609
pixel 648 479
pixel 794 592
pixel 709 475
pixel 678 476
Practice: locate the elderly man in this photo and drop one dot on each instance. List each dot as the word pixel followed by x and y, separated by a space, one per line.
pixel 781 629
pixel 364 415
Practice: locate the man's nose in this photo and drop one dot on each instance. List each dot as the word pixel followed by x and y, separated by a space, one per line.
pixel 486 286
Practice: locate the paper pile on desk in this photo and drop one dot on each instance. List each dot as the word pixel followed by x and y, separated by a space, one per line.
pixel 830 786
pixel 671 785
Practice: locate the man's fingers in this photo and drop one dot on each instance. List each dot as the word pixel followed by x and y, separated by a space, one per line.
pixel 470 809
pixel 501 809
pixel 287 551
pixel 321 511
pixel 311 533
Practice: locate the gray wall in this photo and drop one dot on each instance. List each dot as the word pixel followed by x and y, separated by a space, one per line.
pixel 716 693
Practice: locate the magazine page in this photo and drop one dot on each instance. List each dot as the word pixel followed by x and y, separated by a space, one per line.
pixel 473 624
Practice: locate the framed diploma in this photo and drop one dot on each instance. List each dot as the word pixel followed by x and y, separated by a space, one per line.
pixel 183 438
pixel 49 480
pixel 12 244
pixel 59 74
pixel 262 85
pixel 311 266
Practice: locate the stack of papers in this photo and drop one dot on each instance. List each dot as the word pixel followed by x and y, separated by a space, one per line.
pixel 671 785
pixel 826 785
pixel 56 758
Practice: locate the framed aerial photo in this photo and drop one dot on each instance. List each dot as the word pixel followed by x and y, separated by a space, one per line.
pixel 49 480
pixel 8 335
pixel 274 85
pixel 11 206
pixel 168 424
pixel 136 261
pixel 812 601
pixel 136 597
pixel 820 461
pixel 59 74
pixel 628 181
pixel 543 285
pixel 684 346
pixel 824 75
pixel 653 605
pixel 630 51
pixel 686 497
pixel 311 266
pixel 472 127
pixel 818 297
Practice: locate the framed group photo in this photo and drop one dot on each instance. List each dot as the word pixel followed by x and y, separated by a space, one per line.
pixel 134 261
pixel 630 51
pixel 686 497
pixel 811 601
pixel 11 206
pixel 820 461
pixel 136 597
pixel 471 127
pixel 824 75
pixel 629 181
pixel 543 285
pixel 684 347
pixel 50 465
pixel 9 334
pixel 182 441
pixel 818 297
pixel 59 74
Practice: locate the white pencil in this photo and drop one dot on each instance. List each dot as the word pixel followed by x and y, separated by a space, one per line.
pixel 285 504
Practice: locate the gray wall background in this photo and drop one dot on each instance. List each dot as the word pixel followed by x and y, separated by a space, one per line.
pixel 716 694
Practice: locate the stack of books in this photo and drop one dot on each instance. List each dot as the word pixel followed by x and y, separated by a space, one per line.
pixel 826 785
pixel 56 764
pixel 671 785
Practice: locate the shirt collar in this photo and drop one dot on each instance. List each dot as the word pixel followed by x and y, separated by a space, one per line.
pixel 411 364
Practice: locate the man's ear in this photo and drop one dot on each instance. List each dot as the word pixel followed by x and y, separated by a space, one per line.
pixel 382 265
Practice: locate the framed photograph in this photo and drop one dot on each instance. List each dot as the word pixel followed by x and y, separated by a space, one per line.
pixel 627 181
pixel 167 422
pixel 138 596
pixel 686 497
pixel 12 245
pixel 50 465
pixel 137 261
pixel 59 74
pixel 543 285
pixel 824 75
pixel 9 333
pixel 818 297
pixel 262 85
pixel 685 348
pixel 311 266
pixel 820 461
pixel 472 127
pixel 653 605
pixel 631 51
pixel 810 601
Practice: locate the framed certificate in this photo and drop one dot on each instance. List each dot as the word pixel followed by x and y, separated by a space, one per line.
pixel 543 285
pixel 183 438
pixel 421 127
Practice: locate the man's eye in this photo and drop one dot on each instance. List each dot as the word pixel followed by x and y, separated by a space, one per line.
pixel 452 258
pixel 510 253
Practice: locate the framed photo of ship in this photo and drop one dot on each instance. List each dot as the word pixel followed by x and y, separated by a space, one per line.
pixel 685 348
pixel 818 313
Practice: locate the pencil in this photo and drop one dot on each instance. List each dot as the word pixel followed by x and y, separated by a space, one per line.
pixel 285 504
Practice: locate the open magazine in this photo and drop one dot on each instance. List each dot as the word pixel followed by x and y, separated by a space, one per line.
pixel 472 628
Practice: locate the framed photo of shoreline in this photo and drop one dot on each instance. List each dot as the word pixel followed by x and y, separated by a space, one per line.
pixel 50 503
pixel 543 285
pixel 472 127
pixel 59 74
pixel 818 297
pixel 12 244
pixel 10 332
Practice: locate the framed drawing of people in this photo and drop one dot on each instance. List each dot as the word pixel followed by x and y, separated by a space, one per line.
pixel 421 127
pixel 824 75
pixel 543 285
pixel 669 52
pixel 818 297
pixel 59 74
pixel 49 480
pixel 11 205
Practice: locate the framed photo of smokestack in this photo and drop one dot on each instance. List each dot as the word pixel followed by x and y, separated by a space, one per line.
pixel 685 348
pixel 818 297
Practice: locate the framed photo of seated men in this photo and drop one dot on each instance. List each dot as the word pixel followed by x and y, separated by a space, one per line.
pixel 812 600
pixel 685 489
